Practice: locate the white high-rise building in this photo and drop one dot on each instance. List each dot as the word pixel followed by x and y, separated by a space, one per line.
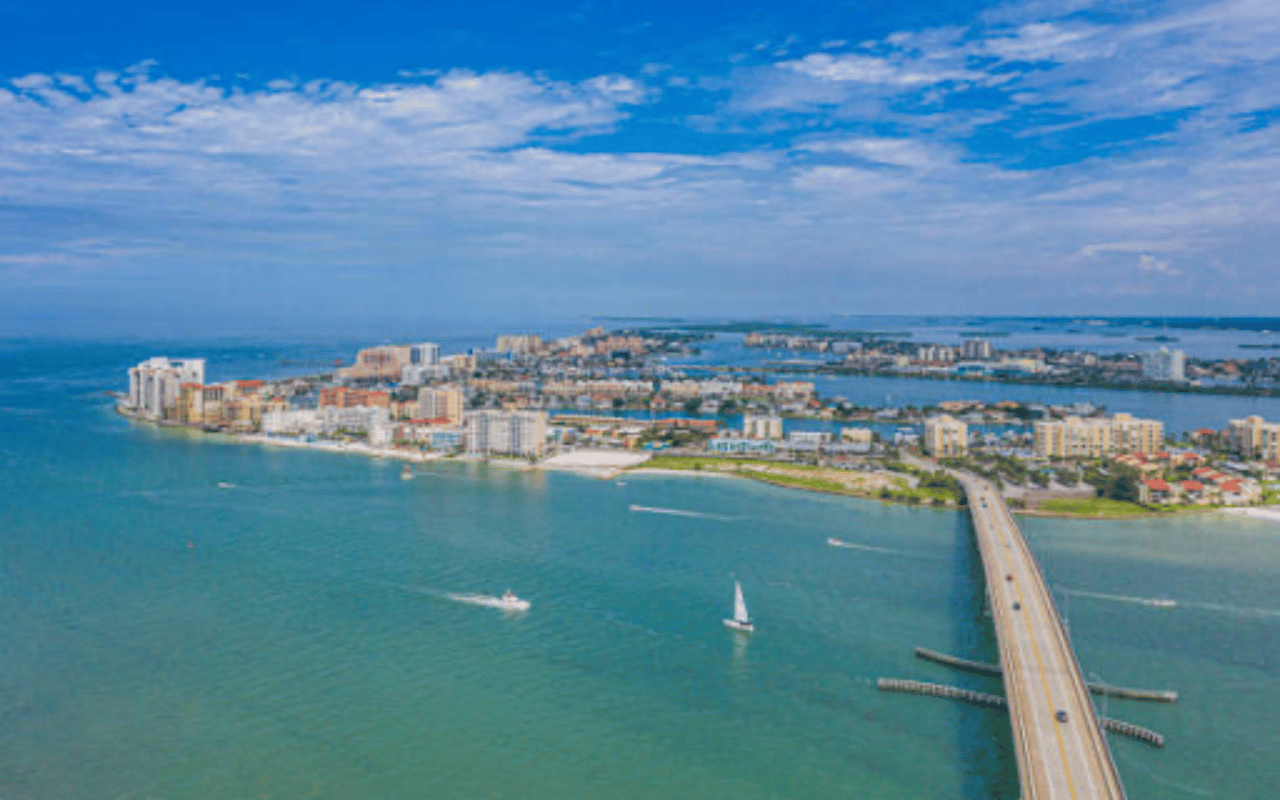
pixel 516 433
pixel 424 353
pixel 1164 365
pixel 979 349
pixel 154 384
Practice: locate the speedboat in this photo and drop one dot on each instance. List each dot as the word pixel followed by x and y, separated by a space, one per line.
pixel 509 602
pixel 406 473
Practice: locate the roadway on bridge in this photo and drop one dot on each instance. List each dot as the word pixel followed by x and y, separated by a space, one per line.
pixel 1057 760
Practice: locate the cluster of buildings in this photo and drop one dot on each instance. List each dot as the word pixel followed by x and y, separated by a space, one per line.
pixel 494 402
pixel 174 391
pixel 1205 486
pixel 762 434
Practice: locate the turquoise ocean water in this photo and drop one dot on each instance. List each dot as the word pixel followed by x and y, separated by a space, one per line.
pixel 293 636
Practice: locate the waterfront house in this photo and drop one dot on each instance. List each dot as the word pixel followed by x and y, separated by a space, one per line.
pixel 1154 490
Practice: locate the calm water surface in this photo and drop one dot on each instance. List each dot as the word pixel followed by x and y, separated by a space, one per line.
pixel 294 637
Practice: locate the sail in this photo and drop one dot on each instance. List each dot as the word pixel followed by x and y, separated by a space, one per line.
pixel 739 605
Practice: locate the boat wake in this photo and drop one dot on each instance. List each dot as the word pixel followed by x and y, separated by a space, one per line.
pixel 488 601
pixel 1150 602
pixel 1239 611
pixel 678 513
pixel 866 548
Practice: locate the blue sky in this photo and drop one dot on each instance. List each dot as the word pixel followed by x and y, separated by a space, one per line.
pixel 266 167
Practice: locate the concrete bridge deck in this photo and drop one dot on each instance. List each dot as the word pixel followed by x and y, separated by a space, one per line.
pixel 1057 760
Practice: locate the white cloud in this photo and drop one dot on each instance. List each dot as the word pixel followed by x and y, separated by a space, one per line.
pixel 1154 266
pixel 872 70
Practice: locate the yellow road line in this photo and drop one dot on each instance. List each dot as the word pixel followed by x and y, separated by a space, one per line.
pixel 1044 683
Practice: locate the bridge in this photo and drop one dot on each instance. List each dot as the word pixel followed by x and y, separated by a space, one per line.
pixel 1061 750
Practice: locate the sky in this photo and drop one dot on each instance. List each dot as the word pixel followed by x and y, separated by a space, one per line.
pixel 255 167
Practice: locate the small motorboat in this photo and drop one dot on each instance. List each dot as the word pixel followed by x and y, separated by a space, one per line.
pixel 406 474
pixel 509 602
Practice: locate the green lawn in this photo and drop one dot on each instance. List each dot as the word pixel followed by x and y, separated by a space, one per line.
pixel 712 462
pixel 1095 506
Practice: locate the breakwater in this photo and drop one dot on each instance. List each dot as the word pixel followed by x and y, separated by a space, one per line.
pixel 979 668
pixel 901 686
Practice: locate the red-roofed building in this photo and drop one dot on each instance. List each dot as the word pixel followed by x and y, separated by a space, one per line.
pixel 1202 471
pixel 1154 490
pixel 1194 490
pixel 1240 492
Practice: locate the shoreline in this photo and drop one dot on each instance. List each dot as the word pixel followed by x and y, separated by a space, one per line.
pixel 612 472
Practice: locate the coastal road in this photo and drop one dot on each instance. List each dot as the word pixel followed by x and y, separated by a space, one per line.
pixel 1062 753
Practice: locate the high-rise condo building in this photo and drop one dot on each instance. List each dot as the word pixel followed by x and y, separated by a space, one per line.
pixel 944 436
pixel 154 385
pixel 444 402
pixel 1074 437
pixel 1164 365
pixel 516 433
pixel 1254 437
pixel 977 349
pixel 759 426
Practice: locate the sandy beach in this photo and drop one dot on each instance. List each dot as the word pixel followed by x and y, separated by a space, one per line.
pixel 356 448
pixel 604 464
pixel 1269 513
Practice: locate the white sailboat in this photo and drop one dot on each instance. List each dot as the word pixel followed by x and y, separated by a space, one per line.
pixel 741 619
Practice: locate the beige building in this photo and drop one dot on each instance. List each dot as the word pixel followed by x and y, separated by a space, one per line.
pixel 516 433
pixel 1254 437
pixel 444 402
pixel 519 343
pixel 759 426
pixel 944 436
pixel 856 435
pixel 388 361
pixel 1074 437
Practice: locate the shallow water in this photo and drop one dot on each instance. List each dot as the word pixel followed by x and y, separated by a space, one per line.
pixel 292 635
